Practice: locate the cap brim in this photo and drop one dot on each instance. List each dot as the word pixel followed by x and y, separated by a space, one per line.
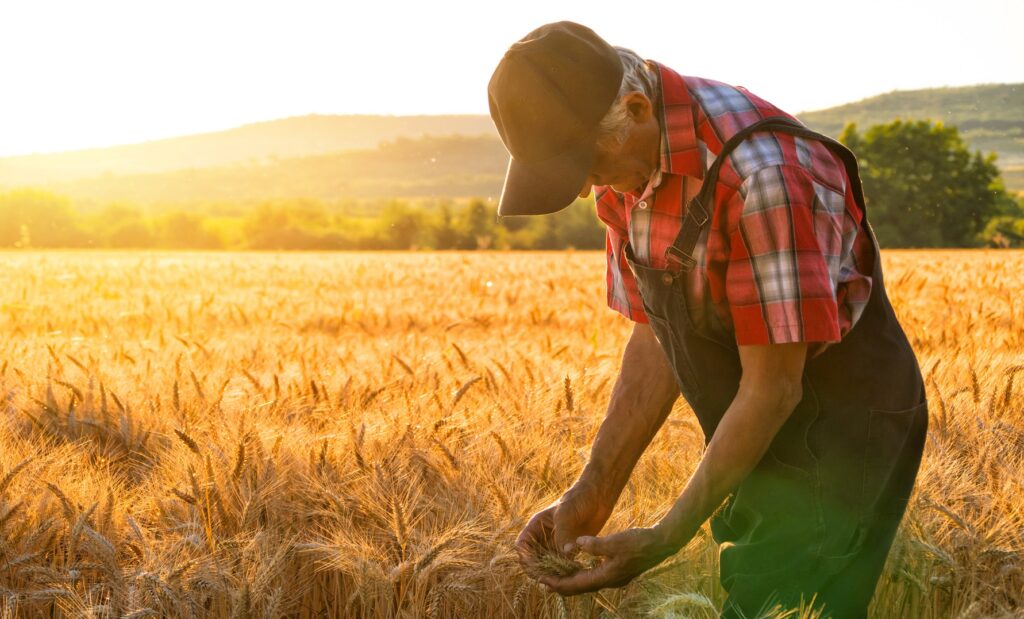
pixel 545 186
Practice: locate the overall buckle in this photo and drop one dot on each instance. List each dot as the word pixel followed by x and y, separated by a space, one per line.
pixel 679 261
pixel 696 211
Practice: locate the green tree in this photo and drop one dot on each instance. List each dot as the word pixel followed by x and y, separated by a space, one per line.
pixel 292 224
pixel 579 226
pixel 477 228
pixel 549 235
pixel 121 225
pixel 403 226
pixel 183 230
pixel 924 188
pixel 446 235
pixel 34 218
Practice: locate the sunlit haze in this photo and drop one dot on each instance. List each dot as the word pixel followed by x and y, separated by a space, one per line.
pixel 83 74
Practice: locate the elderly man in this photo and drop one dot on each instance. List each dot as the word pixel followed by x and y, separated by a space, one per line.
pixel 738 243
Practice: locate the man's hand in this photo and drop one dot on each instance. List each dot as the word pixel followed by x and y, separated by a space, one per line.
pixel 641 399
pixel 581 511
pixel 624 556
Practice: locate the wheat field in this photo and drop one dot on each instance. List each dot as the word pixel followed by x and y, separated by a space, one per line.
pixel 328 434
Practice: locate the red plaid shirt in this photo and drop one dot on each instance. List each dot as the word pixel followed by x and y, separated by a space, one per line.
pixel 783 257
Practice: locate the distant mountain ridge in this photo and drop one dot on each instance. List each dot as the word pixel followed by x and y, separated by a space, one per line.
pixel 334 157
pixel 297 136
pixel 434 167
pixel 990 116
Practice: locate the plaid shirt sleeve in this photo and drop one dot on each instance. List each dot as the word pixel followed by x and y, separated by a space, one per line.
pixel 778 282
pixel 623 292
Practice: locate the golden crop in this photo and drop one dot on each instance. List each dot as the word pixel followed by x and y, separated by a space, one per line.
pixel 326 434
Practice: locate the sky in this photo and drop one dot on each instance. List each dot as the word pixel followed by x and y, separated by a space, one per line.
pixel 77 74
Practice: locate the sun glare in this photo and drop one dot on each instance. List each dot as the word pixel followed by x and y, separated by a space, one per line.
pixel 100 73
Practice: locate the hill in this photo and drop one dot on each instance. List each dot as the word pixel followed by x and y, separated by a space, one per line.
pixel 454 166
pixel 282 139
pixel 989 116
pixel 334 157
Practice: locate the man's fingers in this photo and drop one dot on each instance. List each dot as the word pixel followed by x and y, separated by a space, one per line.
pixel 597 546
pixel 623 558
pixel 537 530
pixel 583 581
pixel 528 536
pixel 525 540
pixel 528 545
pixel 536 535
pixel 564 539
pixel 563 543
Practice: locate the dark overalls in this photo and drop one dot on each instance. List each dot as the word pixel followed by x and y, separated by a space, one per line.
pixel 819 512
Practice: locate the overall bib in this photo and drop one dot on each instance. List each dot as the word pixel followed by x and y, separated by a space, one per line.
pixel 818 514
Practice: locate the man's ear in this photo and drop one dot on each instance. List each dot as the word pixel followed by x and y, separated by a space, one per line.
pixel 639 106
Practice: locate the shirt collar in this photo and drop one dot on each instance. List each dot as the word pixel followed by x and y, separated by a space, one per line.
pixel 676 113
pixel 677 116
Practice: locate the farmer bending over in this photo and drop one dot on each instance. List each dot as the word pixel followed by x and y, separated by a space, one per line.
pixel 738 244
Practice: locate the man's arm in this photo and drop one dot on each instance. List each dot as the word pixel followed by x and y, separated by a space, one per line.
pixel 640 401
pixel 770 389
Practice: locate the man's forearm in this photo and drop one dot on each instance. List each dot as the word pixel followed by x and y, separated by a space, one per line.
pixel 641 399
pixel 740 441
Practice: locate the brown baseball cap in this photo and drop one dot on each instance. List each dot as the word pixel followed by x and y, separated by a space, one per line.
pixel 547 97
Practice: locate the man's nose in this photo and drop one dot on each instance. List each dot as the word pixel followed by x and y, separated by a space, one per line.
pixel 587 186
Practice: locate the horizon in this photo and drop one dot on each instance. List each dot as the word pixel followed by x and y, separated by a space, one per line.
pixel 114 73
pixel 437 115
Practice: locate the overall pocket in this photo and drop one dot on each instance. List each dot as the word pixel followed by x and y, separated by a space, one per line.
pixel 791 447
pixel 885 475
pixel 890 435
pixel 677 356
pixel 665 308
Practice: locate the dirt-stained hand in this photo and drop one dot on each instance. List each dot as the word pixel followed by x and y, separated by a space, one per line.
pixel 581 511
pixel 623 556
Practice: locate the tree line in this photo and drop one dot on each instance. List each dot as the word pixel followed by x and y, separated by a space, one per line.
pixel 924 186
pixel 36 218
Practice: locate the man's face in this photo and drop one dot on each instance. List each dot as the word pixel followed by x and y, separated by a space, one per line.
pixel 627 166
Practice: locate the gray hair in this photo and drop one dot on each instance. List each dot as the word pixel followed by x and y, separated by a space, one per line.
pixel 637 76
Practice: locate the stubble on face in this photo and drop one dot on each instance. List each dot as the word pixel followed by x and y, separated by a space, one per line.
pixel 627 166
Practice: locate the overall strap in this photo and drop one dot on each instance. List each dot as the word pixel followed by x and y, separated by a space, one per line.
pixel 679 255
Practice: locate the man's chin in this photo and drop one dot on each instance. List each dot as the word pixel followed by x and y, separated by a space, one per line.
pixel 628 186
